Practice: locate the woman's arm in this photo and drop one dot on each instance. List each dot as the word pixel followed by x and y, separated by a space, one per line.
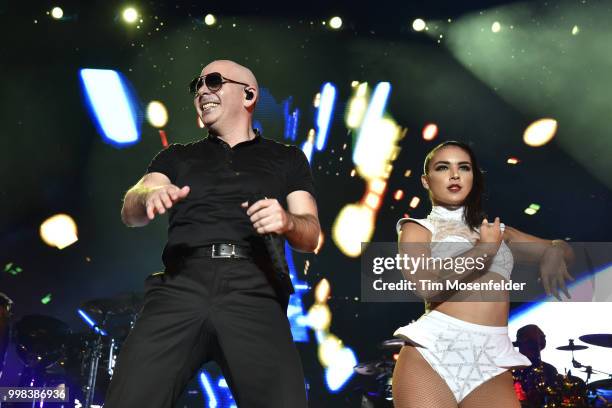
pixel 553 257
pixel 530 248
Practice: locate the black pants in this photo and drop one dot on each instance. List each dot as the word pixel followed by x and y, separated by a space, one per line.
pixel 224 310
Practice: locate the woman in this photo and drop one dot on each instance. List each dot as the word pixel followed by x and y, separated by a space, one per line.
pixel 459 353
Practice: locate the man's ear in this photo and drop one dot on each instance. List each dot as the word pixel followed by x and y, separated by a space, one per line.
pixel 250 96
pixel 424 181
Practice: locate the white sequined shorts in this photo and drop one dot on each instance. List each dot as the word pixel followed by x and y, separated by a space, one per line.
pixel 464 354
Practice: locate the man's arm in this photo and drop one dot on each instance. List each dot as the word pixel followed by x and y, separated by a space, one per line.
pixel 153 194
pixel 299 224
pixel 303 228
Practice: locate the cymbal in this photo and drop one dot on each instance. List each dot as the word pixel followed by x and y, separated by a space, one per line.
pixel 601 384
pixel 572 347
pixel 603 340
pixel 392 344
pixel 124 303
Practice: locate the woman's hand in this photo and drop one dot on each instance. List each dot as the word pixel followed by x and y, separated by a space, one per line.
pixel 553 272
pixel 491 236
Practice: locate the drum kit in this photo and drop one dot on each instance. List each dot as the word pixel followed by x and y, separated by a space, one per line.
pixel 377 392
pixel 536 386
pixel 52 355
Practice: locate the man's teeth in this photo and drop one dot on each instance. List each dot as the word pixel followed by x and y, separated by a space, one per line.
pixel 209 105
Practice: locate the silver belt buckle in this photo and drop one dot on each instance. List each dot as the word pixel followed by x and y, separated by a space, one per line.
pixel 215 256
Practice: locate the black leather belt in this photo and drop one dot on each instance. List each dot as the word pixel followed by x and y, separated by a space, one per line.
pixel 230 251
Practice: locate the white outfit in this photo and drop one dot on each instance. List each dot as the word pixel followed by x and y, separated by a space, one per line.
pixel 464 354
pixel 449 226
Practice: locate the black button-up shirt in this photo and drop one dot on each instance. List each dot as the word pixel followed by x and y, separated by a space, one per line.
pixel 220 179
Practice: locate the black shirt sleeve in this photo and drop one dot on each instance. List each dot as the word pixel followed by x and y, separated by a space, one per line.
pixel 299 176
pixel 165 162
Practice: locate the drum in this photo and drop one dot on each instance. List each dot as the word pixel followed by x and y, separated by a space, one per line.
pixel 573 392
pixel 40 340
pixel 537 387
pixel 599 394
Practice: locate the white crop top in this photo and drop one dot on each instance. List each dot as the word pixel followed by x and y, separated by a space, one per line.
pixel 449 226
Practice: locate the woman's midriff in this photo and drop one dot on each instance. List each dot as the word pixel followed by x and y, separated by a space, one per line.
pixel 485 313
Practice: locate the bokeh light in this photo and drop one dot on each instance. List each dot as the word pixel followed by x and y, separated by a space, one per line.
pixel 418 24
pixel 414 202
pixel 540 132
pixel 328 348
pixel 57 13
pixel 430 131
pixel 512 160
pixel 532 209
pixel 130 15
pixel 354 225
pixel 59 231
pixel 319 317
pixel 210 20
pixel 335 22
pixel 496 27
pixel 157 115
pixel 357 106
pixel 322 291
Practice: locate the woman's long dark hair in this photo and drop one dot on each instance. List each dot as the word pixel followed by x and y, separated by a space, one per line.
pixel 472 211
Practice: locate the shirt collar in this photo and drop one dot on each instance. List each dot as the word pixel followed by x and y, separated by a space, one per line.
pixel 216 139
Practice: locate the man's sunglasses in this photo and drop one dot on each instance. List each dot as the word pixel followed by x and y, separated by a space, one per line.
pixel 213 81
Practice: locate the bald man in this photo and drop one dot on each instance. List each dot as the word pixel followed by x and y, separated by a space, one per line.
pixel 220 296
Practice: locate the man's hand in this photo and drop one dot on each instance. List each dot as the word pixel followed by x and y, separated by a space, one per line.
pixel 268 216
pixel 158 199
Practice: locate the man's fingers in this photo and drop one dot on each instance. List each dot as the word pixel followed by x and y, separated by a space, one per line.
pixel 261 214
pixel 184 191
pixel 257 206
pixel 150 213
pixel 159 206
pixel 263 222
pixel 166 200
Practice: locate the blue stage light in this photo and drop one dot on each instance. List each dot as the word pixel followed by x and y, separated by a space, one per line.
pixel 340 369
pixel 208 390
pixel 91 322
pixel 295 309
pixel 111 105
pixel 291 119
pixel 324 114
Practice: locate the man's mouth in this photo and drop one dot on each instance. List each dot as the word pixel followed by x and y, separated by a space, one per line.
pixel 208 106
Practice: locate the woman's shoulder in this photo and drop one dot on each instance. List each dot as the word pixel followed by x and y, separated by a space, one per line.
pixel 424 222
